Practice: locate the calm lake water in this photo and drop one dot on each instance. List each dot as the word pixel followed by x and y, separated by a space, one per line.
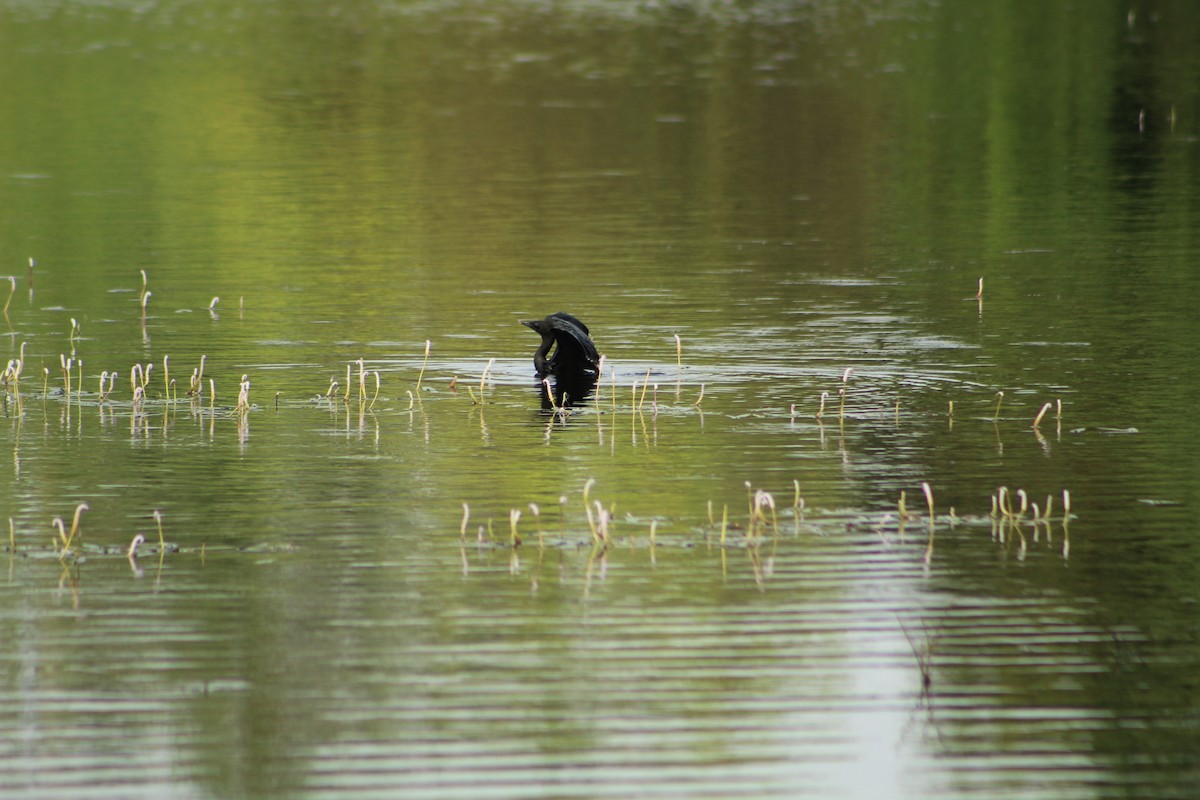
pixel 720 589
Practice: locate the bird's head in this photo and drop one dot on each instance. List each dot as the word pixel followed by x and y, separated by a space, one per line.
pixel 538 325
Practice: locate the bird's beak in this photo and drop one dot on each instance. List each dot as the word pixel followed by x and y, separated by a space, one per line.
pixel 528 323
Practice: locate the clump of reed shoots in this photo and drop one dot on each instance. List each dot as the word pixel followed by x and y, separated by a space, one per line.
pixel 758 518
pixel 362 380
pixel 12 377
pixel 1009 509
pixel 599 519
pixel 139 376
pixel 67 365
pixel 196 384
pixel 66 539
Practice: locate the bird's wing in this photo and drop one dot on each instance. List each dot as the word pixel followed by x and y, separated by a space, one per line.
pixel 576 332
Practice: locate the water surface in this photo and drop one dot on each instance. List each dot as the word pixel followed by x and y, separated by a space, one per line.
pixel 792 190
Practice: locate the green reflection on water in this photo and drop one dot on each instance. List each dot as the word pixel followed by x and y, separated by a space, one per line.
pixel 794 189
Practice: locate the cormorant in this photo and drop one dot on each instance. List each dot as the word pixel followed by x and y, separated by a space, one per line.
pixel 574 352
pixel 574 364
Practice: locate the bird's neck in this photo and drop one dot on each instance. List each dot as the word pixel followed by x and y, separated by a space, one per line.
pixel 540 362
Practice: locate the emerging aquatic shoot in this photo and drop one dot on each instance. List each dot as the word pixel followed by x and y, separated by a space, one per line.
pixel 1038 419
pixel 424 361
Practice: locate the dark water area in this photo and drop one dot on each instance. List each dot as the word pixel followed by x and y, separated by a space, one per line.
pixel 373 564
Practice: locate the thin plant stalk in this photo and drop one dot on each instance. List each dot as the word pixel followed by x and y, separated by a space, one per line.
pixel 514 516
pixel 483 377
pixel 645 384
pixel 842 393
pixel 424 361
pixel 929 501
pixel 375 396
pixel 1038 419
pixel 79 509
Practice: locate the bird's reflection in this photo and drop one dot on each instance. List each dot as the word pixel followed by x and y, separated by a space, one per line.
pixel 565 390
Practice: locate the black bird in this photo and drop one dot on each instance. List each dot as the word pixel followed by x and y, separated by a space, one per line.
pixel 574 353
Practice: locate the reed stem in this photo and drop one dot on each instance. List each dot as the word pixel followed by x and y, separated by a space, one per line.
pixel 424 361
